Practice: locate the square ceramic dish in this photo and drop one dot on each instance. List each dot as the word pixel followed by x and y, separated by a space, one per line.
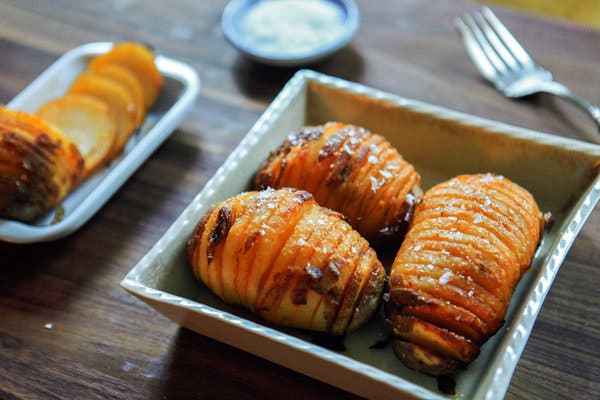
pixel 562 174
pixel 180 90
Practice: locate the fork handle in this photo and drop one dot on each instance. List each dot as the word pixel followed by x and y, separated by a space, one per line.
pixel 561 90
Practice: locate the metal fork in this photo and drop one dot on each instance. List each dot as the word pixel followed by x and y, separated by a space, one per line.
pixel 506 64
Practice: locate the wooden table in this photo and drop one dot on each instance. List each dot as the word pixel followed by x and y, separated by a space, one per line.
pixel 103 343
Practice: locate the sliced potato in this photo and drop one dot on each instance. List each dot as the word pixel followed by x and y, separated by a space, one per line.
pixel 128 80
pixel 88 122
pixel 139 59
pixel 116 97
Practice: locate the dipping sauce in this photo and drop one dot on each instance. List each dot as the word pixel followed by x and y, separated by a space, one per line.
pixel 292 27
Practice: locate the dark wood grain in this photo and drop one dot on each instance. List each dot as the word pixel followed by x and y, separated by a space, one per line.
pixel 105 344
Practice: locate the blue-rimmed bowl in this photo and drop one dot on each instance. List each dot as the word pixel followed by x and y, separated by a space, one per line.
pixel 231 22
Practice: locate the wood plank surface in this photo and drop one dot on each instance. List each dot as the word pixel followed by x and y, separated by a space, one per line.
pixel 103 343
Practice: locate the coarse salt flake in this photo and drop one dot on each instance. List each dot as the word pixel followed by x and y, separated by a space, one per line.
pixel 385 174
pixel 348 149
pixel 487 178
pixel 445 278
pixel 372 159
pixel 375 149
pixel 374 183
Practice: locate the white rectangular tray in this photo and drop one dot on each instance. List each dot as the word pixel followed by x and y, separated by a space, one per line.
pixel 180 90
pixel 562 174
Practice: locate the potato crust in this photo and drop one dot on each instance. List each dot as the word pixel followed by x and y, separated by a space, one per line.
pixel 470 241
pixel 38 165
pixel 288 260
pixel 350 170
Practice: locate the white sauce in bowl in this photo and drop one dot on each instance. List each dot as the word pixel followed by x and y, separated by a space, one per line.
pixel 292 27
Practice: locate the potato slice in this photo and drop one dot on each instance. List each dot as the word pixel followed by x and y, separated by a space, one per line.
pixel 88 122
pixel 128 80
pixel 138 59
pixel 115 96
pixel 438 340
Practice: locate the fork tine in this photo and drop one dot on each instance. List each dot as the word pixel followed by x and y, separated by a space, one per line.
pixel 509 40
pixel 475 52
pixel 495 41
pixel 485 45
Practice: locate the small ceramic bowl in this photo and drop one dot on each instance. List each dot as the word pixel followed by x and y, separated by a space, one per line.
pixel 232 20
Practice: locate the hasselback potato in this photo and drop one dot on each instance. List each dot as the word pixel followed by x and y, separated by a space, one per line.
pixel 470 241
pixel 294 263
pixel 38 165
pixel 350 170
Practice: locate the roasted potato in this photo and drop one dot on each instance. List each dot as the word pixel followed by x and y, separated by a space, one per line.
pixel 38 165
pixel 292 262
pixel 469 243
pixel 350 170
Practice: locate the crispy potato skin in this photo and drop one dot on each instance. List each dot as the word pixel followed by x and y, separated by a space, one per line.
pixel 470 241
pixel 294 263
pixel 38 165
pixel 350 170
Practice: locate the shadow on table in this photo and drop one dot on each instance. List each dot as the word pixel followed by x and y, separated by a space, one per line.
pixel 263 82
pixel 200 367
